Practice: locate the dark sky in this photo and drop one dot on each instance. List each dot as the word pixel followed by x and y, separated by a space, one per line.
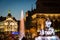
pixel 15 6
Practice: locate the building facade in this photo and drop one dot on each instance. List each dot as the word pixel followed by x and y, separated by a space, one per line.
pixel 36 18
pixel 8 23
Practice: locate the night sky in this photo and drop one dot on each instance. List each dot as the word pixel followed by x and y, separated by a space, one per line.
pixel 15 6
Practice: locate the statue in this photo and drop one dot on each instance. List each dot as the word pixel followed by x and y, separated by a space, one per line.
pixel 48 32
pixel 48 23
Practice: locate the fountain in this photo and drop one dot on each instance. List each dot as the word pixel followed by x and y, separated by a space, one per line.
pixel 22 29
pixel 48 32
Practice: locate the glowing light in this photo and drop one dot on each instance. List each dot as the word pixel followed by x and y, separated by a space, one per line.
pixel 34 16
pixel 6 23
pixel 48 23
pixel 11 23
pixel 47 38
pixel 57 30
pixel 15 32
pixel 9 19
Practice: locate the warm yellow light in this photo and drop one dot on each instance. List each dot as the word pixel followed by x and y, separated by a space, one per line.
pixel 6 23
pixel 57 30
pixel 34 16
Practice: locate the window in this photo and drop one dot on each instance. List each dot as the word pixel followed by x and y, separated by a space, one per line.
pixel 6 23
pixel 11 23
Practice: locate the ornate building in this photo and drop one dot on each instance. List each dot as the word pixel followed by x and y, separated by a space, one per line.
pixel 36 18
pixel 43 10
pixel 8 24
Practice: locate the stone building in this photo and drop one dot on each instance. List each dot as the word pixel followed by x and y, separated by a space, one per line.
pixel 44 9
pixel 8 23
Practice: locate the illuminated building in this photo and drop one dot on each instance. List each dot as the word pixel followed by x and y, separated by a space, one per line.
pixel 8 24
pixel 37 17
